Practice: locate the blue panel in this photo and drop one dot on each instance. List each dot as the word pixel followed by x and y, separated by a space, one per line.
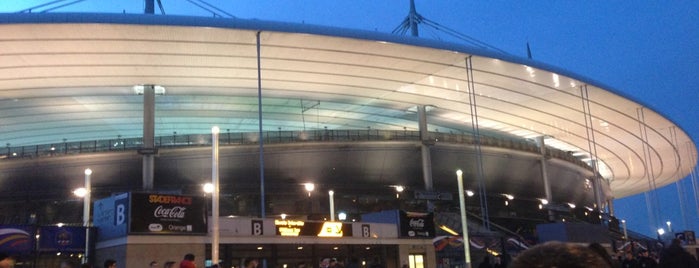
pixel 386 216
pixel 62 239
pixel 110 217
pixel 552 232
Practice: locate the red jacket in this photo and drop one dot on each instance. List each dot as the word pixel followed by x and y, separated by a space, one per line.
pixel 187 264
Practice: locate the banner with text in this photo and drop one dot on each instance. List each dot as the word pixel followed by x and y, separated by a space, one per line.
pixel 153 213
pixel 413 224
pixel 319 229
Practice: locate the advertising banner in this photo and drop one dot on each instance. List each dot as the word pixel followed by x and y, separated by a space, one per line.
pixel 62 239
pixel 419 225
pixel 110 216
pixel 16 239
pixel 319 229
pixel 153 213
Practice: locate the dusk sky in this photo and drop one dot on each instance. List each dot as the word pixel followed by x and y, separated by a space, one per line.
pixel 645 50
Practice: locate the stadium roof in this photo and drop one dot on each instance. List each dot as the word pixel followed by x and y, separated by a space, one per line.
pixel 72 77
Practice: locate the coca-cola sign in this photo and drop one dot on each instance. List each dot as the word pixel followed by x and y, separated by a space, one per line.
pixel 153 213
pixel 415 224
pixel 169 213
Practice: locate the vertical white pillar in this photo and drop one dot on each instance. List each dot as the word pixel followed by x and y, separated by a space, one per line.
pixel 425 154
pixel 86 213
pixel 148 136
pixel 545 177
pixel 331 196
pixel 214 196
pixel 464 223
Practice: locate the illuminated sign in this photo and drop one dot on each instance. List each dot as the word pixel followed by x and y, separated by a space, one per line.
pixel 153 213
pixel 288 227
pixel 331 229
pixel 320 229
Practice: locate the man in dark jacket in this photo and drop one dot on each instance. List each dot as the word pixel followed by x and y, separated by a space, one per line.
pixel 645 261
pixel 675 256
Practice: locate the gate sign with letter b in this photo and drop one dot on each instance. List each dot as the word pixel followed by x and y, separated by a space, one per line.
pixel 366 231
pixel 257 228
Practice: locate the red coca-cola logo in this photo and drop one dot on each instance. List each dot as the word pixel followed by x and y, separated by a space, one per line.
pixel 176 212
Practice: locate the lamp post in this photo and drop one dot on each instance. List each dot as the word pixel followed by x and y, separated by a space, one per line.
pixel 331 196
pixel 626 235
pixel 669 226
pixel 309 187
pixel 399 190
pixel 214 195
pixel 85 194
pixel 464 225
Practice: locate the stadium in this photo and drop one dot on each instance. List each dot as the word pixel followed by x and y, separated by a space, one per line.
pixel 383 121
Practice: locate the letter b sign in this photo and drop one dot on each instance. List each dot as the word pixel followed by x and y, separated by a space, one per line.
pixel 366 232
pixel 257 228
pixel 120 217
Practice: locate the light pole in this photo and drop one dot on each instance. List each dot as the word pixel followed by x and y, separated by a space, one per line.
pixel 661 232
pixel 309 187
pixel 214 195
pixel 626 235
pixel 85 194
pixel 399 190
pixel 669 226
pixel 331 196
pixel 464 224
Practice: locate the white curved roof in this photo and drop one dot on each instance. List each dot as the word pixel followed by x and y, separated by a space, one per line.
pixel 71 76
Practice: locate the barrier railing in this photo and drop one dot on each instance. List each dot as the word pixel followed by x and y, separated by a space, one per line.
pixel 275 137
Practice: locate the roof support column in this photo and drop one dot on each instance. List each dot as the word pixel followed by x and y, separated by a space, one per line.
pixel 148 149
pixel 597 189
pixel 652 203
pixel 610 205
pixel 425 150
pixel 592 148
pixel 545 177
pixel 480 174
pixel 150 7
pixel 681 194
pixel 693 178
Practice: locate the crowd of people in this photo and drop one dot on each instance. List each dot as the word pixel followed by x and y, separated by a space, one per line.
pixel 559 254
pixel 549 254
pixel 187 262
pixel 352 262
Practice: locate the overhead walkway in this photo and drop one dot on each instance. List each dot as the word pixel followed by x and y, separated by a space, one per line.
pixel 277 137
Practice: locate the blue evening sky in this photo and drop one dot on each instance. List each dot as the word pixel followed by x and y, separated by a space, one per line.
pixel 647 50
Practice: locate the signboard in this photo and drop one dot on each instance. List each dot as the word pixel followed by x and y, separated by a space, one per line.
pixel 153 213
pixel 109 216
pixel 257 227
pixel 413 224
pixel 62 239
pixel 320 229
pixel 431 195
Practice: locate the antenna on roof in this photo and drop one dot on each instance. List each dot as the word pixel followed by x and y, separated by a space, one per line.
pixel 413 19
pixel 150 7
pixel 410 22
